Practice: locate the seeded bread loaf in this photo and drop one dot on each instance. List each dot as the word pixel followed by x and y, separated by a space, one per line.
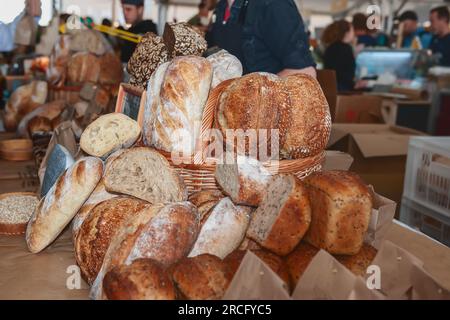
pixel 62 202
pixel 359 262
pixel 245 181
pixel 223 231
pixel 144 173
pixel 341 206
pixel 283 217
pixel 143 279
pixel 298 261
pixel 97 230
pixel 203 277
pixel 182 39
pixel 15 212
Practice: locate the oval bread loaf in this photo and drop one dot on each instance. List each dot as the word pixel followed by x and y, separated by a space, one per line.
pixel 109 133
pixel 62 202
pixel 225 67
pixel 143 279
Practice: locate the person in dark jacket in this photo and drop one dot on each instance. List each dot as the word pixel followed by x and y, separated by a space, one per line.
pixel 362 32
pixel 339 55
pixel 133 11
pixel 440 45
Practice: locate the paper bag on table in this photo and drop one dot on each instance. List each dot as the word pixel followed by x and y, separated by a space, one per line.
pixel 383 214
pixel 425 287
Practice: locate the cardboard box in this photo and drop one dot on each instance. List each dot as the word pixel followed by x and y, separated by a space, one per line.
pixel 359 109
pixel 327 80
pixel 18 176
pixel 379 153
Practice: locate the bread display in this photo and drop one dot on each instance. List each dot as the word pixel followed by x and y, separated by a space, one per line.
pixel 283 217
pixel 359 262
pixel 341 207
pixel 149 54
pixel 49 111
pixel 274 262
pixel 223 230
pixel 182 39
pixel 62 202
pixel 299 259
pixel 176 123
pixel 83 67
pixel 111 71
pixel 225 67
pixel 296 106
pixel 245 181
pixel 144 173
pixel 205 201
pixel 95 234
pixel 108 134
pixel 143 279
pixel 16 210
pixel 203 277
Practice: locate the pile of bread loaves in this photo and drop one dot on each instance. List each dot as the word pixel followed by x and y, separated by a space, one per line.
pixel 139 235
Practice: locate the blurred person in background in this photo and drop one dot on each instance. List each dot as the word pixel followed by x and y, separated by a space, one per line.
pixel 201 19
pixel 440 45
pixel 266 36
pixel 339 56
pixel 362 32
pixel 413 36
pixel 133 11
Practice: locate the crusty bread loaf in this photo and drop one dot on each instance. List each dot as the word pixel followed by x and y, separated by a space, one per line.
pixel 143 279
pixel 283 217
pixel 39 124
pixel 83 67
pixel 108 134
pixel 359 262
pixel 274 262
pixel 149 54
pixel 97 230
pixel 203 277
pixel 182 39
pixel 165 234
pixel 183 96
pixel 308 124
pixel 144 173
pixel 341 206
pixel 298 260
pixel 223 231
pixel 111 72
pixel 225 67
pixel 249 244
pixel 245 181
pixel 62 202
pixel 98 195
pixel 205 201
pixel 49 111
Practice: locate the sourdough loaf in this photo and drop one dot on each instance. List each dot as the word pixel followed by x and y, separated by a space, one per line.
pixel 245 181
pixel 50 111
pixel 62 202
pixel 283 217
pixel 83 67
pixel 143 279
pixel 111 72
pixel 144 173
pixel 223 231
pixel 298 261
pixel 341 206
pixel 108 134
pixel 182 39
pixel 97 230
pixel 203 277
pixel 225 67
pixel 205 201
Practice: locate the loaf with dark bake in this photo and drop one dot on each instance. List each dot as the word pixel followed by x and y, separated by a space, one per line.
pixel 182 39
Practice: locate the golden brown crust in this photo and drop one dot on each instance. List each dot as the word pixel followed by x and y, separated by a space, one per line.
pixel 359 262
pixel 203 277
pixel 98 229
pixel 298 260
pixel 201 197
pixel 144 279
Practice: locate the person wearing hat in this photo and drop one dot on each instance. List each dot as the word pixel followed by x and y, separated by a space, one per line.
pixel 133 11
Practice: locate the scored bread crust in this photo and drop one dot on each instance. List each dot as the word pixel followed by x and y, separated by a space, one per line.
pixel 292 220
pixel 298 261
pixel 203 277
pixel 359 262
pixel 62 202
pixel 97 230
pixel 341 209
pixel 123 177
pixel 144 279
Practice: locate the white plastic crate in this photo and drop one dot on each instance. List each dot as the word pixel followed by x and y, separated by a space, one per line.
pixel 427 221
pixel 427 178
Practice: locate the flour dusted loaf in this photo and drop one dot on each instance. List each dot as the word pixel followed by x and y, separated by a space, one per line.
pixel 283 217
pixel 143 279
pixel 341 207
pixel 203 277
pixel 176 124
pixel 225 67
pixel 62 202
pixel 164 233
pixel 144 173
pixel 149 54
pixel 98 229
pixel 299 259
pixel 223 230
pixel 245 181
pixel 182 39
pixel 109 133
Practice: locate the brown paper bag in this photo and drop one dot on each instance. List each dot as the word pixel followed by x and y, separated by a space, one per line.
pixel 425 287
pixel 360 291
pixel 383 213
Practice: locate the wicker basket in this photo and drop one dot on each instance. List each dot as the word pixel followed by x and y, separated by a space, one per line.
pixel 198 173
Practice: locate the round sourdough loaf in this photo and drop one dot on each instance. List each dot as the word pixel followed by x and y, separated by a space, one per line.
pixel 341 207
pixel 97 230
pixel 143 279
